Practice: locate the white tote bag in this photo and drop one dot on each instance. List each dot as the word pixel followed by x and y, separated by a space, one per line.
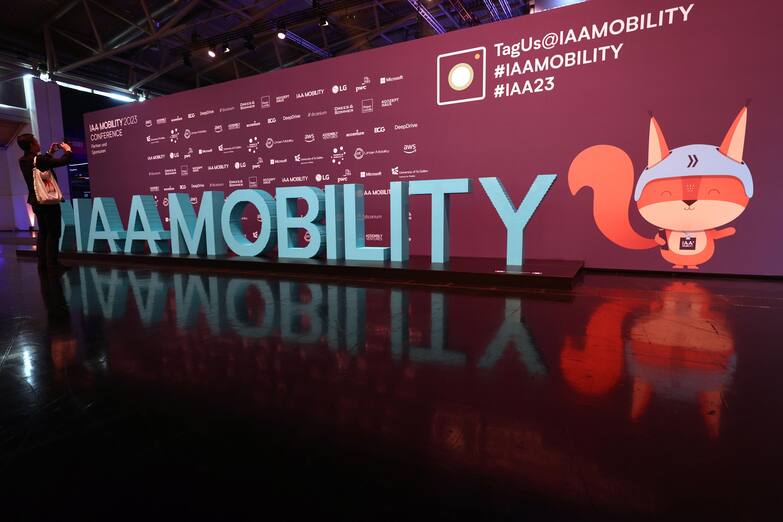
pixel 47 191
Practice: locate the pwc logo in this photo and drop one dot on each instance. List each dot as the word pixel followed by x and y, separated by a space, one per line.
pixel 462 76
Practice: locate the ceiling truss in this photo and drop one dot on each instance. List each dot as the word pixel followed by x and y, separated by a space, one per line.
pixel 160 45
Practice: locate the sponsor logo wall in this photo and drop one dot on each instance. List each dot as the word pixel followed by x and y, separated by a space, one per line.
pixel 511 100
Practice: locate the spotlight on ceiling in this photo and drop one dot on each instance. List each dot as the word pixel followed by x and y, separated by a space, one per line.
pixel 141 96
pixel 281 33
pixel 226 48
pixel 212 52
pixel 324 22
pixel 43 72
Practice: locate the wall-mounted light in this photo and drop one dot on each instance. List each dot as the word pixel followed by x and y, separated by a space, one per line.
pixel 43 72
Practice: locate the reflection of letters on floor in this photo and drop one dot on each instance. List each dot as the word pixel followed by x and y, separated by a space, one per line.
pixel 513 331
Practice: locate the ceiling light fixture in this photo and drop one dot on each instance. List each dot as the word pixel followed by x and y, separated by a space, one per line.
pixel 43 72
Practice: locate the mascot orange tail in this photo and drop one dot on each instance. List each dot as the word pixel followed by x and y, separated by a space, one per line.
pixel 609 172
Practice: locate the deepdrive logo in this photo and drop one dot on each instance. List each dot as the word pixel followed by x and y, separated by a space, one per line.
pixel 462 76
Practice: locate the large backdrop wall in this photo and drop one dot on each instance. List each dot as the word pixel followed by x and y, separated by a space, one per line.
pixel 660 119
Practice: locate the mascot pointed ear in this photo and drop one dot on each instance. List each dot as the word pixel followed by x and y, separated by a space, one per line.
pixel 658 149
pixel 734 143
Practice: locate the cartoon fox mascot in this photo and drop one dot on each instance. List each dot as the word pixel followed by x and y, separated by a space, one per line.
pixel 688 193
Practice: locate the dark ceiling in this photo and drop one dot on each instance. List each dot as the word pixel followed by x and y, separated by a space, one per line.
pixel 160 46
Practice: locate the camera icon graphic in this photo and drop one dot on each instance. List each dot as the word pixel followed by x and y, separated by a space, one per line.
pixel 462 76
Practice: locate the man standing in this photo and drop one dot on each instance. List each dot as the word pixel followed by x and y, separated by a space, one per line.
pixel 49 228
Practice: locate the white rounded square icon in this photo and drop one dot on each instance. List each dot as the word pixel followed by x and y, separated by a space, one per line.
pixel 461 76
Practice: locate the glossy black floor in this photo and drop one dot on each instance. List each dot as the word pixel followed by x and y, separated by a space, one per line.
pixel 128 393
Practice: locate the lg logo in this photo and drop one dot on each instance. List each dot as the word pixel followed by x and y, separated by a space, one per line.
pixel 339 88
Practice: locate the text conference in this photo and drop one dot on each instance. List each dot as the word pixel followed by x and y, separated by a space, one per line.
pixel 334 221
